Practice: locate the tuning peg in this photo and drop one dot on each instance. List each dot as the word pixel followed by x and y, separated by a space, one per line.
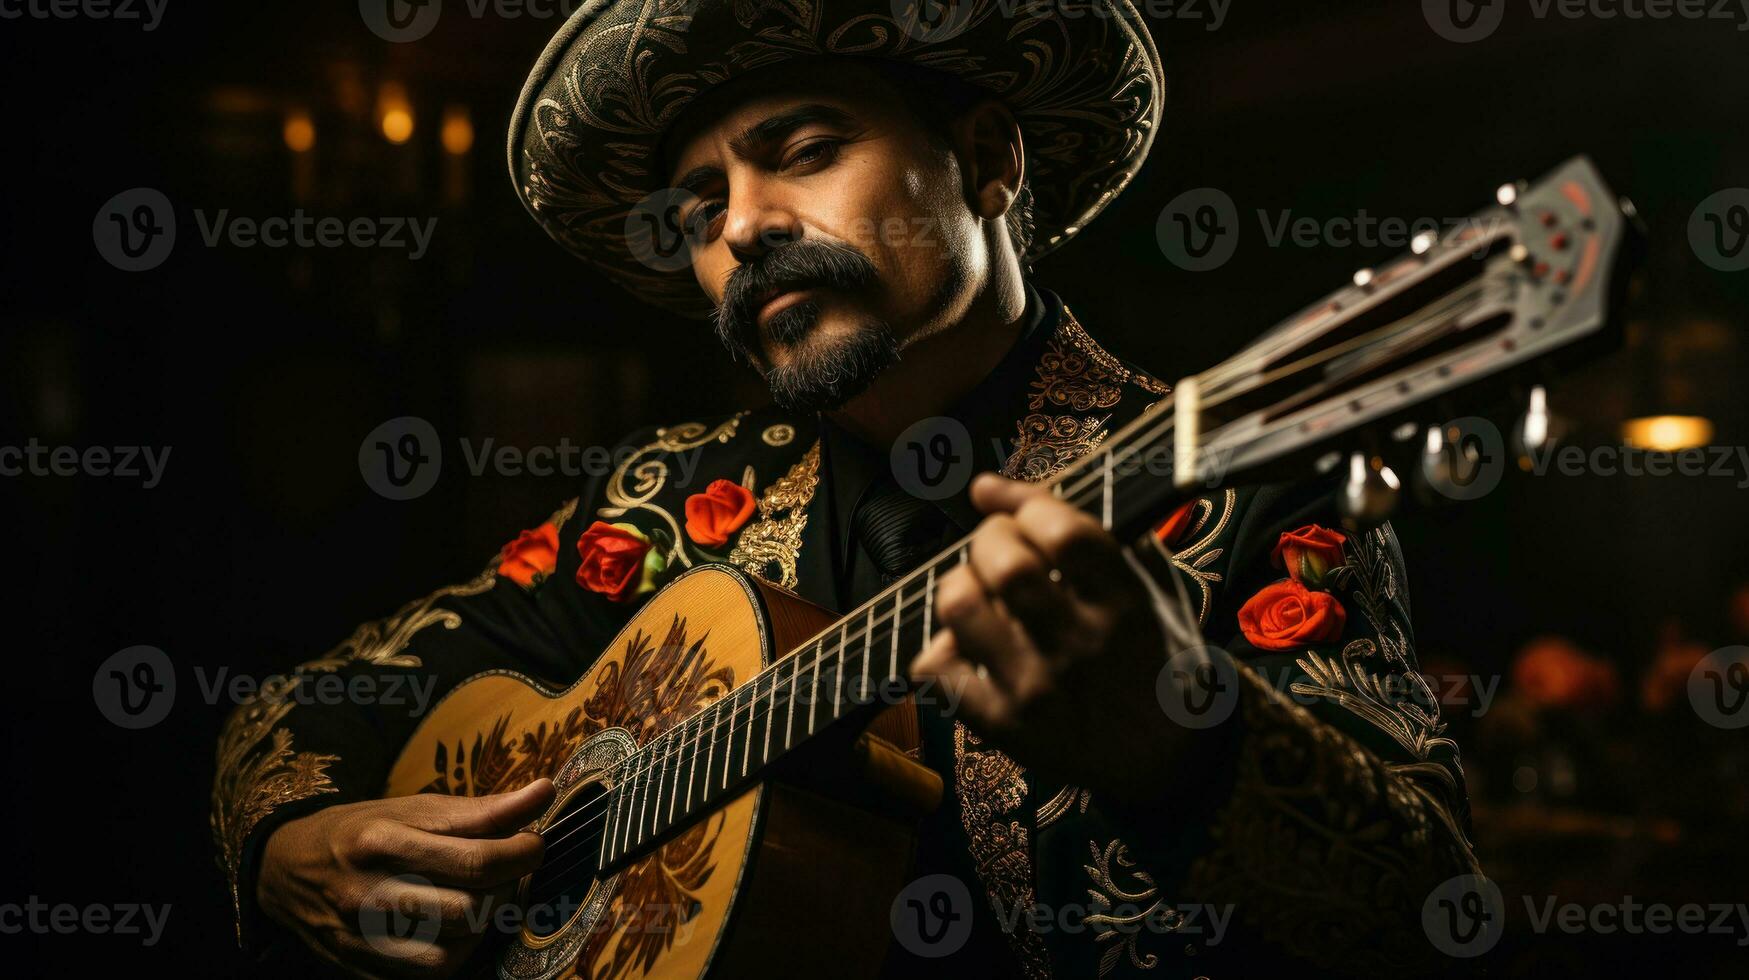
pixel 1508 194
pixel 1370 493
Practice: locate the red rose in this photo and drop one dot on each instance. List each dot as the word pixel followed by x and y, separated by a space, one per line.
pixel 717 513
pixel 1307 554
pixel 1171 530
pixel 529 559
pixel 1286 615
pixel 613 560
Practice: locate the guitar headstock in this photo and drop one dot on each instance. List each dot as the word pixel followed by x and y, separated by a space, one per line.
pixel 1534 278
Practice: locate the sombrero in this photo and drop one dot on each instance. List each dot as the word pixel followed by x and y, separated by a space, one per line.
pixel 1082 76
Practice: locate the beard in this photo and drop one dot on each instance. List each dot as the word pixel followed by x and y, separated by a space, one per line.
pixel 819 374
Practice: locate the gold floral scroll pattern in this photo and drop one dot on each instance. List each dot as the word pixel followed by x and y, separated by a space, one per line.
pixel 644 474
pixel 1121 912
pixel 496 764
pixel 1197 558
pixel 657 686
pixel 249 784
pixel 992 791
pixel 1326 851
pixel 1081 382
pixel 769 546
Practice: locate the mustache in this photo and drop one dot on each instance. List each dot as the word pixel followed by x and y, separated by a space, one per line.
pixel 790 266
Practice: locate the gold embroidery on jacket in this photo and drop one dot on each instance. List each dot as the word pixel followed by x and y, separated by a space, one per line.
pixel 992 790
pixel 1119 916
pixel 1195 558
pixel 652 475
pixel 250 785
pixel 776 538
pixel 1078 379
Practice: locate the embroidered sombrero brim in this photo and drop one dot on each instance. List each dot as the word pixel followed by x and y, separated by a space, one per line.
pixel 1083 77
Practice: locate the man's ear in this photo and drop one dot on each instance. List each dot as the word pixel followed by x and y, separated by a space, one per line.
pixel 992 156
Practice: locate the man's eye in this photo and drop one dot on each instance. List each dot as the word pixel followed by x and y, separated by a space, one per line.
pixel 698 220
pixel 814 152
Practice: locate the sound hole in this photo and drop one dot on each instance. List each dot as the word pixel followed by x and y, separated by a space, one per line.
pixel 558 888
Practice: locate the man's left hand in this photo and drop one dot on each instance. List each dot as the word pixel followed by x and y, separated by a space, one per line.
pixel 1055 646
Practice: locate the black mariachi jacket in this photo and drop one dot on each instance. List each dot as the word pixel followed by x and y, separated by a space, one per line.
pixel 1336 808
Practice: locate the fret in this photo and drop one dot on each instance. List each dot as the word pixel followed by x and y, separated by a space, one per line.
pixel 747 745
pixel 770 716
pixel 898 618
pixel 674 794
pixel 668 759
pixel 643 795
pixel 867 655
pixel 631 803
pixel 1105 479
pixel 729 739
pixel 704 794
pixel 928 605
pixel 613 802
pixel 692 770
pixel 795 664
pixel 814 679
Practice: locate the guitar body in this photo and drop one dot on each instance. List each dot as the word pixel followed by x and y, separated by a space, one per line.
pixel 739 891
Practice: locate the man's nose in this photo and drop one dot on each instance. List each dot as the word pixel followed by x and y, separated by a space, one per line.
pixel 755 225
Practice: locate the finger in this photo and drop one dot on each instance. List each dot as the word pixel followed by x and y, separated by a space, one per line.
pixel 418 910
pixel 982 633
pixel 475 864
pixel 1012 569
pixel 995 494
pixel 978 700
pixel 480 816
pixel 1073 542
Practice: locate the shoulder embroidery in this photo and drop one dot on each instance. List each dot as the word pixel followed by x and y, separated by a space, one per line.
pixel 251 784
pixel 1067 410
pixel 768 547
pixel 1208 520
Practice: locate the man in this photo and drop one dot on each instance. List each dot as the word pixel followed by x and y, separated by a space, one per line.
pixel 861 198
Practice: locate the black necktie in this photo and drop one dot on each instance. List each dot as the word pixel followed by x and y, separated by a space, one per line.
pixel 898 530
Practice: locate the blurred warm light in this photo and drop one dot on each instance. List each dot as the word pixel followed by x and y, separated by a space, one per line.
pixel 458 130
pixel 1667 433
pixel 395 113
pixel 300 131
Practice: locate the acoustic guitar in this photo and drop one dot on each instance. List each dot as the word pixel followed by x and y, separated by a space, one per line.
pixel 763 795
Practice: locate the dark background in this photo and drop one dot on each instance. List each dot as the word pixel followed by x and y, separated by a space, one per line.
pixel 263 369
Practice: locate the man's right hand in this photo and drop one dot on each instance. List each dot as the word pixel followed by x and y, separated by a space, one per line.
pixel 327 875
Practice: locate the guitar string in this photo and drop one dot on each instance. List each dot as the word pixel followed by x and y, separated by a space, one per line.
pixel 1428 314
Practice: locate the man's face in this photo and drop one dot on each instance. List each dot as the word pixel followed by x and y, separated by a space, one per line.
pixel 829 229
